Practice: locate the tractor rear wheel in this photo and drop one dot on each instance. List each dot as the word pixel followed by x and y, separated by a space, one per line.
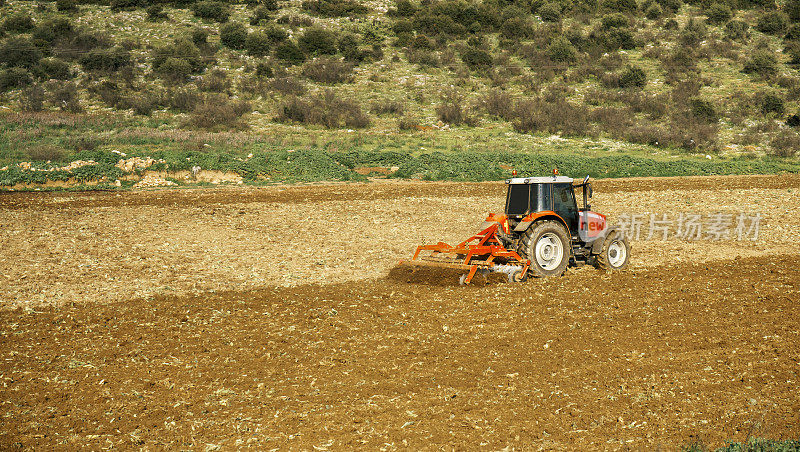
pixel 547 246
pixel 615 253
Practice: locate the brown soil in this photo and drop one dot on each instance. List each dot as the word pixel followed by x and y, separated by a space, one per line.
pixel 663 356
pixel 185 319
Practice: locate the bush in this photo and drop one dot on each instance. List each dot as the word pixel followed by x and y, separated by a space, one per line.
pixel 703 110
pixel 404 8
pixel 348 47
pixel 557 116
pixel 107 60
pixel 19 52
pixel 328 70
pixel 66 6
pixel 183 50
pixel 334 8
pixel 317 41
pixel 326 109
pixel 118 5
pixel 183 99
pixel 287 85
pixel 615 20
pixel 424 58
pixel 200 37
pixel 477 59
pixel 670 5
pixel 517 28
pixel 51 30
pixel 233 35
pixel 451 110
pixel 771 103
pixel 271 5
pixel 654 11
pixel 693 32
pixel 290 53
pixel 772 23
pixel 561 51
pixel 155 13
pixel 260 15
pixel 219 111
pixel 32 98
pixel 52 68
pixel 793 121
pixel 387 107
pixel 785 144
pixel 215 81
pixel 737 30
pixel 15 77
pixel 550 12
pixel 624 6
pixel 264 70
pixel 258 43
pixel 212 10
pixel 718 13
pixel 275 33
pixel 18 23
pixel 498 103
pixel 762 62
pixel 64 95
pixel 632 77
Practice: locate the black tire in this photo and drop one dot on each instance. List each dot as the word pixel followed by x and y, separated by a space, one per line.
pixel 551 230
pixel 609 260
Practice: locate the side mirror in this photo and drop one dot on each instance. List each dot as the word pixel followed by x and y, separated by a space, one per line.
pixel 590 191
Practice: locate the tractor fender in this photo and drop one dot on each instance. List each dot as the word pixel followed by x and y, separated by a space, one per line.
pixel 597 244
pixel 526 222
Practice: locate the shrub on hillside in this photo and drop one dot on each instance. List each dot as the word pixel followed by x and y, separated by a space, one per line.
pixel 792 10
pixel 18 51
pixel 424 58
pixel 387 107
pixel 258 43
pixel 559 116
pixel 632 77
pixel 404 8
pixel 718 13
pixel 107 60
pixel 737 30
pixel 654 11
pixel 550 12
pixel 334 8
pixel 326 109
pixel 623 6
pixel 66 6
pixel 118 5
pixel 317 41
pixel 18 23
pixel 561 51
pixel 693 32
pixel 348 47
pixel 452 110
pixel 185 56
pixel 793 120
pixel 703 110
pixel 670 5
pixel 14 77
pixel 762 62
pixel 155 13
pixel 498 103
pixel 64 95
pixel 233 35
pixel 770 103
pixel 261 16
pixel 52 30
pixel 52 68
pixel 287 85
pixel 773 23
pixel 215 81
pixel 184 99
pixel 328 70
pixel 32 98
pixel 785 144
pixel 219 111
pixel 199 37
pixel 275 33
pixel 517 28
pixel 212 10
pixel 477 59
pixel 290 53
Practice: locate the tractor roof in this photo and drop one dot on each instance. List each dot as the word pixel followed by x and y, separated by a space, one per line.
pixel 539 180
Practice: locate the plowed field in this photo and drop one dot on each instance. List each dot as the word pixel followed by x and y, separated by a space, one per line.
pixel 270 319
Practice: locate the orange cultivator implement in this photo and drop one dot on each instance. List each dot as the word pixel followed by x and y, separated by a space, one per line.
pixel 483 252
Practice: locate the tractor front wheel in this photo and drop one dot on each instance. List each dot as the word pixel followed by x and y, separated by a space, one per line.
pixel 547 246
pixel 616 251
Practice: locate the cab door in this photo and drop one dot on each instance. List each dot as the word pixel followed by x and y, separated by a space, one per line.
pixel 565 206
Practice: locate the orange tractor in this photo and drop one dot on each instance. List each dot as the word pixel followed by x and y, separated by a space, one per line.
pixel 542 232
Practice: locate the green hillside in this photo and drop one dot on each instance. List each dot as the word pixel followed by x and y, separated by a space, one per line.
pixel 711 86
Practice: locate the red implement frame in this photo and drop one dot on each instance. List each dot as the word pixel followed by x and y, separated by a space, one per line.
pixel 487 252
